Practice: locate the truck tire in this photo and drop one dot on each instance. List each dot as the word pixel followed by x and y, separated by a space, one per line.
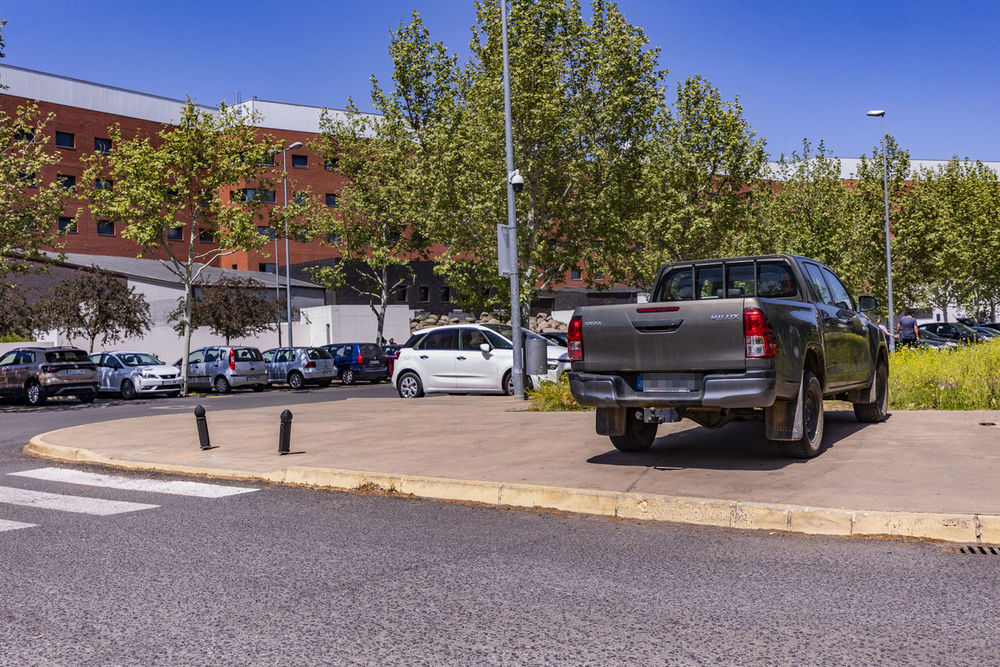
pixel 872 413
pixel 638 434
pixel 811 441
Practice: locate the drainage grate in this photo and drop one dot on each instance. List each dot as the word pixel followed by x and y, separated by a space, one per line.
pixel 977 549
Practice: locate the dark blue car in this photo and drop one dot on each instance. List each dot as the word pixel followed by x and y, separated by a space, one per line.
pixel 359 361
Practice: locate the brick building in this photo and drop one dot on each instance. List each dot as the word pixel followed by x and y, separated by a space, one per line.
pixel 84 111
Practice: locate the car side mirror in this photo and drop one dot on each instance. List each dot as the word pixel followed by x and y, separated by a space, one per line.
pixel 866 303
pixel 486 348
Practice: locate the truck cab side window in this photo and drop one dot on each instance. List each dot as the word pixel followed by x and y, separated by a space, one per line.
pixel 819 285
pixel 841 297
pixel 677 286
pixel 775 281
pixel 739 280
pixel 708 282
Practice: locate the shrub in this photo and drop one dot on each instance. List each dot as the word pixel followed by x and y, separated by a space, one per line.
pixel 554 397
pixel 928 379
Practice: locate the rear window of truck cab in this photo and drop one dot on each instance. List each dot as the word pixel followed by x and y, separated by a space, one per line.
pixel 773 280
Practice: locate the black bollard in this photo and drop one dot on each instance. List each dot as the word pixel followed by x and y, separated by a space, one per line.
pixel 285 434
pixel 199 416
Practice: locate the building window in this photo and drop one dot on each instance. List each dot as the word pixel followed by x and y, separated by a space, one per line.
pixel 446 294
pixel 598 277
pixel 330 163
pixel 67 225
pixel 267 268
pixel 333 200
pixel 266 232
pixel 267 159
pixel 575 274
pixel 236 267
pixel 333 238
pixel 300 161
pixel 27 179
pixel 67 182
pixel 102 145
pixel 401 294
pixel 65 140
pixel 175 234
pixel 251 194
pixel 105 228
pixel 205 235
pixel 425 294
pixel 30 224
pixel 103 184
pixel 300 198
pixel 24 135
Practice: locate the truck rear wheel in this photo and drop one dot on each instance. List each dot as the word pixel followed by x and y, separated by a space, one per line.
pixel 811 441
pixel 638 434
pixel 874 413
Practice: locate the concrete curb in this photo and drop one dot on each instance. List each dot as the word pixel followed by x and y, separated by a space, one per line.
pixel 964 528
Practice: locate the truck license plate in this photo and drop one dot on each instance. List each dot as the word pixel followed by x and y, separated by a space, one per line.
pixel 667 383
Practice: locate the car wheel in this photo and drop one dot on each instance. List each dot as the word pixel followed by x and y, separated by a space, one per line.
pixel 128 391
pixel 296 381
pixel 872 413
pixel 222 385
pixel 410 386
pixel 508 384
pixel 638 434
pixel 87 398
pixel 33 394
pixel 812 422
pixel 347 377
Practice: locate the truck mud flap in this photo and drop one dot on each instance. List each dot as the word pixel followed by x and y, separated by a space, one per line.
pixel 783 420
pixel 611 421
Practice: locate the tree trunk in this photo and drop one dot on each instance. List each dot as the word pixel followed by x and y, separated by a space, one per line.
pixel 187 330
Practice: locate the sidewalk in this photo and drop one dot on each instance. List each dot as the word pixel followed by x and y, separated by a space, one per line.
pixel 922 474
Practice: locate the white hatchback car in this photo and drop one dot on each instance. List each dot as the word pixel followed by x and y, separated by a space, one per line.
pixel 466 358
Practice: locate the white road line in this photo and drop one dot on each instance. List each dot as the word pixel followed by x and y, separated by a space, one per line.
pixel 196 489
pixel 14 525
pixel 79 504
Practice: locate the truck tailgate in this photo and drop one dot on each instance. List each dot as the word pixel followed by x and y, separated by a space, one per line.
pixel 703 335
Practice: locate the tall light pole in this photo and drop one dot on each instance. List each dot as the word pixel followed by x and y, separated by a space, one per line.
pixel 277 281
pixel 517 372
pixel 879 113
pixel 288 266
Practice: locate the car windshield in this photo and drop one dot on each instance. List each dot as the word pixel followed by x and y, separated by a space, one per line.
pixel 507 331
pixel 66 356
pixel 139 359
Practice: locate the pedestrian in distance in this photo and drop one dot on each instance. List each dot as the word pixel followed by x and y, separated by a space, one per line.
pixel 907 331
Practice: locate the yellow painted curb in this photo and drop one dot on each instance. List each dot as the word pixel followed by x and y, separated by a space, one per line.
pixel 970 529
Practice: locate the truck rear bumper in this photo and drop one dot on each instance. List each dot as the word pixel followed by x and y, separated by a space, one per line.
pixel 752 389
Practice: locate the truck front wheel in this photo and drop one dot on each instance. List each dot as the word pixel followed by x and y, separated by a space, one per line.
pixel 638 434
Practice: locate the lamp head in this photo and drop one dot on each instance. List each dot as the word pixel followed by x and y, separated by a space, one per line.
pixel 295 146
pixel 876 112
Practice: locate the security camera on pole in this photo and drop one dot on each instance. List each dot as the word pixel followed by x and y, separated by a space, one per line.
pixel 507 234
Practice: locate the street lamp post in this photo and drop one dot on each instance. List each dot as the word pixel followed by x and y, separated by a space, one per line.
pixel 517 372
pixel 879 113
pixel 288 267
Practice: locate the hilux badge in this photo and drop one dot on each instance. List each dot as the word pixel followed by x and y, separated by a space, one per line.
pixel 730 316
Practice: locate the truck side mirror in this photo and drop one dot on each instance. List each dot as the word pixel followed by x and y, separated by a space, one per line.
pixel 866 303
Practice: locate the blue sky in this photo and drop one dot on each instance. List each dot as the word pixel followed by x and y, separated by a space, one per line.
pixel 803 69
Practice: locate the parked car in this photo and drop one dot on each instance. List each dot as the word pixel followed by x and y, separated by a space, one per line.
pixel 226 368
pixel 955 331
pixel 359 361
pixel 36 373
pixel 391 354
pixel 932 340
pixel 299 366
pixel 132 374
pixel 560 338
pixel 466 358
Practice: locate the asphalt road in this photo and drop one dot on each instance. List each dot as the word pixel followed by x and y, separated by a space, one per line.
pixel 291 576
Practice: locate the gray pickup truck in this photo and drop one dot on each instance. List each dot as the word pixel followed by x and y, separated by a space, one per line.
pixel 765 338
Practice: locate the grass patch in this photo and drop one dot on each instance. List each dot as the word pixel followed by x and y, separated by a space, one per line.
pixel 927 379
pixel 554 397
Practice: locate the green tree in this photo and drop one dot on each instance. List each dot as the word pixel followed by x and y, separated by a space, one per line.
pixel 584 100
pixel 195 176
pixel 698 178
pixel 232 308
pixel 376 229
pixel 19 320
pixel 96 303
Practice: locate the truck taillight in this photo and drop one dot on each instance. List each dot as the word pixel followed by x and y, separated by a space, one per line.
pixel 575 336
pixel 361 358
pixel 760 339
pixel 232 359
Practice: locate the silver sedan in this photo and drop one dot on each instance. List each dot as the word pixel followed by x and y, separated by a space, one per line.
pixel 133 374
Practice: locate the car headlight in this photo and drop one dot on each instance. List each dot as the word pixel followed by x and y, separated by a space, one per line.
pixel 148 376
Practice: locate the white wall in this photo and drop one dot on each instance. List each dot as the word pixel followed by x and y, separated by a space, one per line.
pixel 351 324
pixel 7 347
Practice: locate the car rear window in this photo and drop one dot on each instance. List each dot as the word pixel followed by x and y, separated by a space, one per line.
pixel 371 350
pixel 247 354
pixel 318 353
pixel 71 356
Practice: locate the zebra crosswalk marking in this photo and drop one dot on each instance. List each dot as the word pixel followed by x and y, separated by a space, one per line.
pixel 179 488
pixel 78 504
pixel 14 525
